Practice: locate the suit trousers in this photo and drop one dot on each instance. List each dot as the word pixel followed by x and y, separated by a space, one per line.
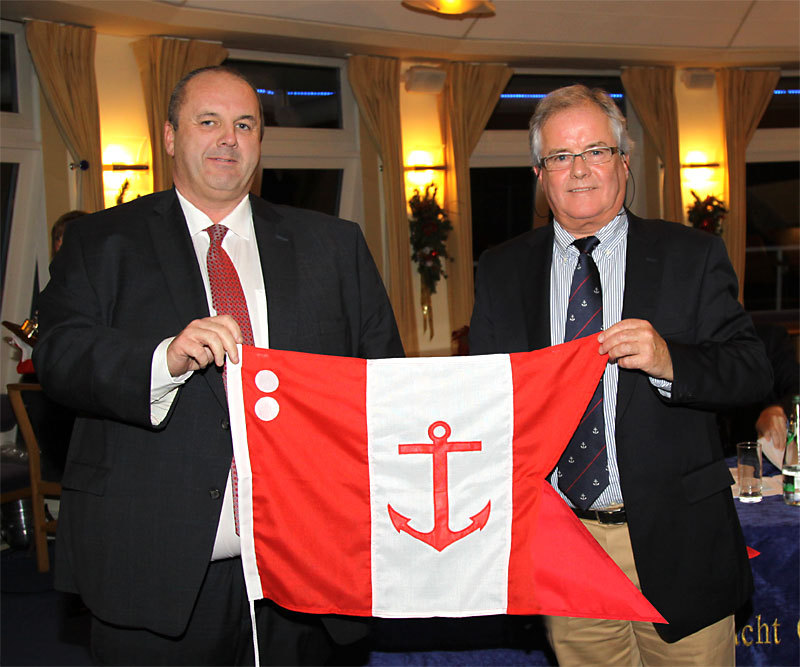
pixel 219 631
pixel 587 641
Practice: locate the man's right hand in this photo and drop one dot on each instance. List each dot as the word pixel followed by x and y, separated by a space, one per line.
pixel 202 342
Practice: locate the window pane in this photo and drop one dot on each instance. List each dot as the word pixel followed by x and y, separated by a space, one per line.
pixel 8 80
pixel 772 279
pixel 502 205
pixel 518 101
pixel 295 95
pixel 8 188
pixel 784 106
pixel 315 189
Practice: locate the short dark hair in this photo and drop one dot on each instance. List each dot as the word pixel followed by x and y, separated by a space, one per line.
pixel 179 92
pixel 60 225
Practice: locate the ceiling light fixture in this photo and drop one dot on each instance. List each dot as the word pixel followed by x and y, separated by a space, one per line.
pixel 452 9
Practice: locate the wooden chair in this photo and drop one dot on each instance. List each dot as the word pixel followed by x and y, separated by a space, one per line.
pixel 38 489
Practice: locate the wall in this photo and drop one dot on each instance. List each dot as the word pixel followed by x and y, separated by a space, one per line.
pixel 702 140
pixel 419 114
pixel 123 119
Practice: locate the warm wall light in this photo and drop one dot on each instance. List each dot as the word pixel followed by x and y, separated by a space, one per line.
pixel 420 168
pixel 457 9
pixel 700 175
pixel 121 165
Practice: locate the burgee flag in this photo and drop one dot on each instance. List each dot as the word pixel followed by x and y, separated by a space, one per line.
pixel 416 487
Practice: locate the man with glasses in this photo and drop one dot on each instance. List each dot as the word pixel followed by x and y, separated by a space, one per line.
pixel 645 471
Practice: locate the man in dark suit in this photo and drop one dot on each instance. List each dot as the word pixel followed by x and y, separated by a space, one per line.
pixel 679 346
pixel 132 341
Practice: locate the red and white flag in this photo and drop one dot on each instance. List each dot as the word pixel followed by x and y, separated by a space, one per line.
pixel 416 487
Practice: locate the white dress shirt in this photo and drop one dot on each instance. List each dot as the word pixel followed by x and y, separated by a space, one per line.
pixel 240 244
pixel 610 257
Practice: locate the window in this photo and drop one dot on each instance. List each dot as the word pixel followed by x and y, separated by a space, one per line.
pixel 295 95
pixel 518 100
pixel 8 188
pixel 315 189
pixel 9 101
pixel 309 155
pixel 24 249
pixel 784 106
pixel 772 279
pixel 502 205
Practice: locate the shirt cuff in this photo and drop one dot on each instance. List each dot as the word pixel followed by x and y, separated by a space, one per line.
pixel 163 387
pixel 664 386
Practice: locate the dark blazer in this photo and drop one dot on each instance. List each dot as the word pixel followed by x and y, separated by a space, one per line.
pixel 688 545
pixel 141 504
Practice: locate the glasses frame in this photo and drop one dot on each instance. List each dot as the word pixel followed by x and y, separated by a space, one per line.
pixel 614 150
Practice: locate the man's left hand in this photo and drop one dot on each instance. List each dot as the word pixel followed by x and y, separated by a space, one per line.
pixel 635 344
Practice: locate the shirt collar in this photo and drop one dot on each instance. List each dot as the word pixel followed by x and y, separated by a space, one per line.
pixel 239 220
pixel 609 235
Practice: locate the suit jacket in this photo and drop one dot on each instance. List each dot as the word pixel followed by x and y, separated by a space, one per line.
pixel 687 542
pixel 141 504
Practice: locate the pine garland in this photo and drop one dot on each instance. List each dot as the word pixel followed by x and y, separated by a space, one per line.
pixel 429 229
pixel 707 214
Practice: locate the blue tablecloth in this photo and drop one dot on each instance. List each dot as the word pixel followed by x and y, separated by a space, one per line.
pixel 766 629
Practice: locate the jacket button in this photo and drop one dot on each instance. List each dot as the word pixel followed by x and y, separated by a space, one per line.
pixel 225 424
pixel 214 493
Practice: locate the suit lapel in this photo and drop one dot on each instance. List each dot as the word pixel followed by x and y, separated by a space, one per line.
pixel 277 254
pixel 175 253
pixel 643 282
pixel 536 290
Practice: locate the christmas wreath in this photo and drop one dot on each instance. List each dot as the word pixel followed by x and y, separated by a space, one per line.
pixel 429 226
pixel 707 214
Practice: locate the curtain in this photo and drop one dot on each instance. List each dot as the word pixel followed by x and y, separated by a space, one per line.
pixel 163 61
pixel 470 95
pixel 376 85
pixel 745 95
pixel 651 90
pixel 63 56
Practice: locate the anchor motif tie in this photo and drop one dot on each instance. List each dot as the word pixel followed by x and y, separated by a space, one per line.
pixel 583 467
pixel 227 297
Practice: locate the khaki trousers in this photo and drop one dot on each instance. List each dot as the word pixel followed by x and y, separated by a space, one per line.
pixel 586 641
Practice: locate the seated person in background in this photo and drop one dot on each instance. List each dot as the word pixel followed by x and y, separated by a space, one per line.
pixel 767 419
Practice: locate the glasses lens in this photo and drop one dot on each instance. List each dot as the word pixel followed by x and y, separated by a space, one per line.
pixel 598 155
pixel 557 162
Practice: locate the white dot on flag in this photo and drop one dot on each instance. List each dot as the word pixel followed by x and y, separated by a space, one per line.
pixel 267 408
pixel 266 381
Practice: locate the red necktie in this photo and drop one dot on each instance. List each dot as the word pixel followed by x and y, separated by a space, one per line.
pixel 227 297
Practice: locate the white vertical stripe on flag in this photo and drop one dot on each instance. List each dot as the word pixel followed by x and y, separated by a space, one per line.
pixel 245 476
pixel 474 396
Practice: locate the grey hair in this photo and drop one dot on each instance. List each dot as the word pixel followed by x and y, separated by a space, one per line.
pixel 569 97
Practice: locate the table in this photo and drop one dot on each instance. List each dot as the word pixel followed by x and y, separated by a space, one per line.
pixel 767 629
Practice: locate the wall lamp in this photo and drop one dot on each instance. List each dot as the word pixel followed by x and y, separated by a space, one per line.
pixel 126 167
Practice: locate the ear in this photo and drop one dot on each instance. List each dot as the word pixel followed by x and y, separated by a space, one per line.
pixel 169 139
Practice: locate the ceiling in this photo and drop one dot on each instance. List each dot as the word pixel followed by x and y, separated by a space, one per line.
pixel 532 33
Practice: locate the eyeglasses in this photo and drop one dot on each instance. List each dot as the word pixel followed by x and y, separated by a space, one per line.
pixel 591 156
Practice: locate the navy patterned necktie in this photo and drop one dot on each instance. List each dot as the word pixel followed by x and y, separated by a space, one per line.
pixel 583 467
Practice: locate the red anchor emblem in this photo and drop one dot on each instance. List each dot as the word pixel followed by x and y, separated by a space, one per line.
pixel 441 536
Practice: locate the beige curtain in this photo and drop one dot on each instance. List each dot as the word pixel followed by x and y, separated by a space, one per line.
pixel 63 56
pixel 376 86
pixel 651 90
pixel 745 95
pixel 470 95
pixel 163 61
